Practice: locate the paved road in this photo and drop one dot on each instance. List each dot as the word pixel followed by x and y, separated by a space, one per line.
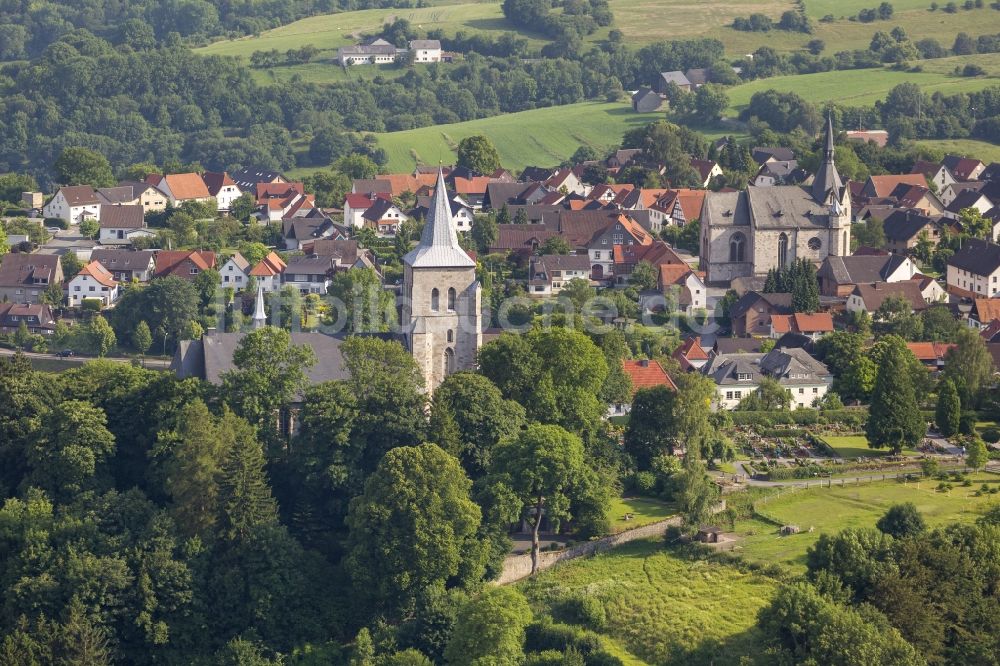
pixel 66 240
pixel 151 363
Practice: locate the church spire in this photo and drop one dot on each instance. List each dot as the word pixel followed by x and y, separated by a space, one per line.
pixel 827 177
pixel 259 315
pixel 439 246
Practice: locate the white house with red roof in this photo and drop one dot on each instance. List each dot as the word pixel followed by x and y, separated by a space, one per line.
pixel 181 188
pixel 223 188
pixel 277 201
pixel 355 205
pixel 93 281
pixel 812 326
pixel 74 204
pixel 644 374
pixel 691 355
pixel 268 272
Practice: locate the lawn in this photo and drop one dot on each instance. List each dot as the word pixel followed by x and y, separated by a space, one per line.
pixel 829 510
pixel 856 446
pixel 541 136
pixel 662 608
pixel 644 511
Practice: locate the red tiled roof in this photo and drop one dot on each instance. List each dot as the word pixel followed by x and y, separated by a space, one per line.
pixel 95 270
pixel 673 274
pixel 186 186
pixel 929 351
pixel 988 309
pixel 269 266
pixel 884 185
pixel 169 261
pixel 647 374
pixel 692 350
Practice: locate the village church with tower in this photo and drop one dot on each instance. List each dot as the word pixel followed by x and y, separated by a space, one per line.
pixel 746 234
pixel 441 312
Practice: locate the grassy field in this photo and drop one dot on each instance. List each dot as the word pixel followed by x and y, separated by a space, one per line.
pixel 644 511
pixel 661 608
pixel 864 87
pixel 540 136
pixel 829 510
pixel 987 152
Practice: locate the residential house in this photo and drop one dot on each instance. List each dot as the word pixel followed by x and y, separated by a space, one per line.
pixel 425 50
pixel 624 157
pixel 930 289
pixel 738 346
pixel 812 326
pixel 969 198
pixel 974 271
pixel 151 198
pixel 247 179
pixel 697 76
pixel 838 275
pixel 904 228
pixel 345 254
pixel 691 355
pixel 751 314
pixel 738 376
pixel 277 201
pixel 930 354
pixel 32 200
pixel 221 186
pixel 644 374
pixel 94 281
pixel 383 217
pixel 567 181
pixel 119 195
pixel 707 170
pixel 950 193
pixel 934 172
pixel 120 225
pixel 883 186
pixel 181 188
pixel 780 172
pixel 74 204
pixel 869 297
pixel 984 311
pixel 235 273
pixel 683 288
pixel 310 275
pixel 25 277
pixel 917 197
pixel 185 264
pixel 549 273
pixel 126 265
pixel 646 100
pixel 677 78
pixel 268 272
pixel 355 205
pixel 299 230
pixel 37 318
pixel 615 246
pixel 963 168
pixel 762 154
pixel 521 240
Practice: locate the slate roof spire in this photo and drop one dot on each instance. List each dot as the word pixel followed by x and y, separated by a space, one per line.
pixel 259 315
pixel 438 247
pixel 827 177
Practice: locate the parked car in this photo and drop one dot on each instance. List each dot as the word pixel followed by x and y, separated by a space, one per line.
pixel 65 353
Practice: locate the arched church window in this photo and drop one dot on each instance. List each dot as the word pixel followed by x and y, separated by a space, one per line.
pixel 737 247
pixel 815 243
pixel 451 299
pixel 449 361
pixel 435 299
pixel 451 335
pixel 782 252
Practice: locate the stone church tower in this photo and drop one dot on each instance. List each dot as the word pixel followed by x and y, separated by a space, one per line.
pixel 441 311
pixel 828 189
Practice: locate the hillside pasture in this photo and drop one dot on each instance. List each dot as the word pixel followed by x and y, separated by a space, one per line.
pixel 662 608
pixel 987 152
pixel 829 510
pixel 865 87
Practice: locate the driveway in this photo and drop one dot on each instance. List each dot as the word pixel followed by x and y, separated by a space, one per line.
pixel 66 240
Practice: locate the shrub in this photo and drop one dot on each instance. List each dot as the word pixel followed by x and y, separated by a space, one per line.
pixel 587 611
pixel 644 483
pixel 991 435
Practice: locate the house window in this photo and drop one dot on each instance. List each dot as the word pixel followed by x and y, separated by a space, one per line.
pixel 435 299
pixel 737 394
pixel 76 288
pixel 618 238
pixel 451 299
pixel 737 247
pixel 729 395
pixel 194 271
pixel 815 390
pixel 801 391
pixel 604 241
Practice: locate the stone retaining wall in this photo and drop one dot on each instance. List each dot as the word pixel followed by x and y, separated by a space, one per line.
pixel 516 567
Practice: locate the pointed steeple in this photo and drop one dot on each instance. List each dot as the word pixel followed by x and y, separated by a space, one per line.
pixel 827 177
pixel 439 246
pixel 259 315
